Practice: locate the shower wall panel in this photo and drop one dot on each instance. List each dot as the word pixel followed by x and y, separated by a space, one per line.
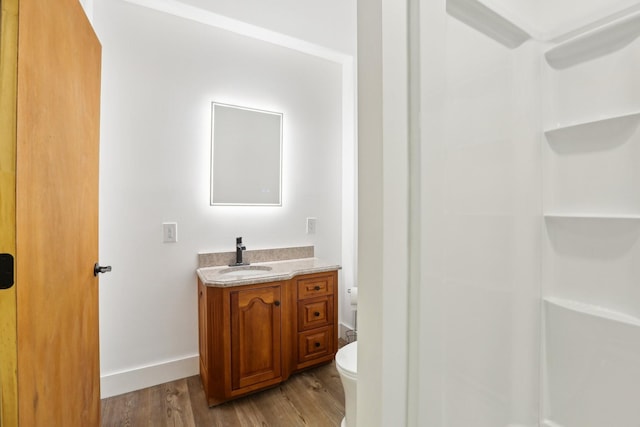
pixel 480 225
pixel 591 250
pixel 529 193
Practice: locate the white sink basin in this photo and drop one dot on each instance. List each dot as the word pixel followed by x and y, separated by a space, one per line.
pixel 245 271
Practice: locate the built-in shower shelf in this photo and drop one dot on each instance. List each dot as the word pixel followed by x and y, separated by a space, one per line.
pixel 601 127
pixel 484 19
pixel 593 310
pixel 595 43
pixel 591 216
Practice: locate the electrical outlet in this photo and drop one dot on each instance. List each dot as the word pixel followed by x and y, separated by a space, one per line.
pixel 311 225
pixel 169 232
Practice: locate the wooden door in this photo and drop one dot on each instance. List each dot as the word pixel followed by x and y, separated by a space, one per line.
pixel 56 216
pixel 256 335
pixel 8 72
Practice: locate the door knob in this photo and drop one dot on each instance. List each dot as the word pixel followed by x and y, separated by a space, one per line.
pixel 97 268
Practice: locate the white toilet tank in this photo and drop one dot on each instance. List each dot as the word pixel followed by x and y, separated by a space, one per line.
pixel 347 366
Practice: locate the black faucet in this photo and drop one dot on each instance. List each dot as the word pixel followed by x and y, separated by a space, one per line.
pixel 239 248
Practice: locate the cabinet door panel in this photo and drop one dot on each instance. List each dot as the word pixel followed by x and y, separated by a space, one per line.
pixel 255 335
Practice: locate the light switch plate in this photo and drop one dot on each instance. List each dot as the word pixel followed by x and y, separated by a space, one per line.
pixel 169 232
pixel 311 225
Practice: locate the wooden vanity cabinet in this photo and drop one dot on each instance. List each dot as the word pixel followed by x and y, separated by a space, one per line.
pixel 252 337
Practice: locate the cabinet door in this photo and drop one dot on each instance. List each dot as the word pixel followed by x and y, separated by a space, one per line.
pixel 255 335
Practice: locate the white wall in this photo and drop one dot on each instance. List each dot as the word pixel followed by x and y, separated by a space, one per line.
pixel 383 213
pixel 160 74
pixel 329 23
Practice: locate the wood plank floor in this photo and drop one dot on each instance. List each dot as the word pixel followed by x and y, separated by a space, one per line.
pixel 310 398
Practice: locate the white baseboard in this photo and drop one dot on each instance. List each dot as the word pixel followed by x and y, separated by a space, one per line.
pixel 141 377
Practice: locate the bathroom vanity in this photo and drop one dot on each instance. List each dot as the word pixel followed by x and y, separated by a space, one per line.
pixel 260 323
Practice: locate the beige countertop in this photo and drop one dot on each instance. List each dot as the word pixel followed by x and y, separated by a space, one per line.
pixel 262 272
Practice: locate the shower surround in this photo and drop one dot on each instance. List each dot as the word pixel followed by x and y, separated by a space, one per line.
pixel 529 207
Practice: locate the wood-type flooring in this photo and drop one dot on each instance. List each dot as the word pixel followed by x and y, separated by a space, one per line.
pixel 311 398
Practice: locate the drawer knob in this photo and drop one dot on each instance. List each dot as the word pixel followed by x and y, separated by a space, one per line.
pixel 316 287
pixel 317 313
pixel 317 344
pixel 276 303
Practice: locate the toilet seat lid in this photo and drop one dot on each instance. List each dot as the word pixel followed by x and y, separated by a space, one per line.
pixel 347 358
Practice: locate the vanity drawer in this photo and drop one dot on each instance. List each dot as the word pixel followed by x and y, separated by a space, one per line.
pixel 315 313
pixel 315 344
pixel 316 286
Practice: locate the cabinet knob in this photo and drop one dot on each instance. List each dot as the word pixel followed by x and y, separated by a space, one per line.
pixel 317 288
pixel 317 344
pixel 317 313
pixel 276 303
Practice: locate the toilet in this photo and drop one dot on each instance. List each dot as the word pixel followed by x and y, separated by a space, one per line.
pixel 347 365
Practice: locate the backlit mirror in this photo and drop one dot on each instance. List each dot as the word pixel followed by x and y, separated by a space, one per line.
pixel 246 156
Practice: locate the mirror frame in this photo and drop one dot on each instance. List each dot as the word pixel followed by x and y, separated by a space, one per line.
pixel 240 167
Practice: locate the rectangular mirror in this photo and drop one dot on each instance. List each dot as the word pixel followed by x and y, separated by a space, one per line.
pixel 246 156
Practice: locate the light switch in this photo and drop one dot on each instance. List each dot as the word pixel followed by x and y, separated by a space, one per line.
pixel 169 232
pixel 311 225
